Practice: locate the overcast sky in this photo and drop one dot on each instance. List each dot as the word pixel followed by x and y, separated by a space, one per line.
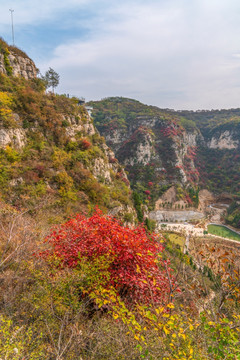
pixel 179 54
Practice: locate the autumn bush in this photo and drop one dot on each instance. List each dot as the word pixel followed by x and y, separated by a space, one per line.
pixel 78 303
pixel 132 257
pixel 85 144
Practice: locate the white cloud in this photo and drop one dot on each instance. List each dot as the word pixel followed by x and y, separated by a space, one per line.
pixel 171 53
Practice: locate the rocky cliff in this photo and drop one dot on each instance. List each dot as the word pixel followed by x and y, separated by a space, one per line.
pixel 53 158
pixel 162 148
pixel 15 62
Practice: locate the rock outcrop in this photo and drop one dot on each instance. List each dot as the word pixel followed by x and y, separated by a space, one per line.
pixel 165 147
pixel 15 137
pixel 15 62
pixel 223 140
pixel 51 152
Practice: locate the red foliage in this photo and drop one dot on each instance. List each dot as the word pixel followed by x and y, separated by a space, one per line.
pixel 147 192
pixel 85 144
pixel 171 131
pixel 136 271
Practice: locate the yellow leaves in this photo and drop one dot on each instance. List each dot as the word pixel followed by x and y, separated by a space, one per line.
pixel 5 112
pixel 170 306
pixel 166 315
pixel 5 106
pixel 60 158
pixel 159 310
pixel 5 99
pixel 138 269
pixel 183 336
pixel 165 329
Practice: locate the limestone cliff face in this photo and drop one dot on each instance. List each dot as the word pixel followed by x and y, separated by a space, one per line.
pixel 162 147
pixel 17 65
pixel 223 140
pixel 15 137
pixel 151 140
pixel 96 167
pixel 184 146
pixel 100 165
pixel 103 162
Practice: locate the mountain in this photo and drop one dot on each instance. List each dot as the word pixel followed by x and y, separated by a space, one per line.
pixel 53 160
pixel 161 148
pixel 93 287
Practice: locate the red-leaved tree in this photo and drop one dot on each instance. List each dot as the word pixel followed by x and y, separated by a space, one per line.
pixel 133 258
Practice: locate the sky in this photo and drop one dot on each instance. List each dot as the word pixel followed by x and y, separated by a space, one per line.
pixel 177 54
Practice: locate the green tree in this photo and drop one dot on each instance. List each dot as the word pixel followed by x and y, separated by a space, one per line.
pixel 51 79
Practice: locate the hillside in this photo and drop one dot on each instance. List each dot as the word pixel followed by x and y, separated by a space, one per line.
pixel 52 158
pixel 161 147
pixel 76 283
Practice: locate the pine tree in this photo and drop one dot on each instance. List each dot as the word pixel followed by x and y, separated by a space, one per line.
pixel 51 79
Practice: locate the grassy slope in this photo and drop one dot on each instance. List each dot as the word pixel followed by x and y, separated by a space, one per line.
pixel 223 232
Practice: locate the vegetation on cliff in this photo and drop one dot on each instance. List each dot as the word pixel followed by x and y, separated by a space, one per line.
pixel 55 167
pixel 148 142
pixel 183 148
pixel 92 287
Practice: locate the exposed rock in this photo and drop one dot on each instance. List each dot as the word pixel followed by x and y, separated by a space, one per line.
pixel 181 145
pixel 16 182
pixel 152 139
pixel 115 138
pixel 223 141
pixel 89 128
pixel 121 210
pixel 205 198
pixel 16 137
pixel 2 66
pixel 168 196
pixel 20 65
pixel 143 153
pixel 100 170
pixel 77 126
pixel 73 130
